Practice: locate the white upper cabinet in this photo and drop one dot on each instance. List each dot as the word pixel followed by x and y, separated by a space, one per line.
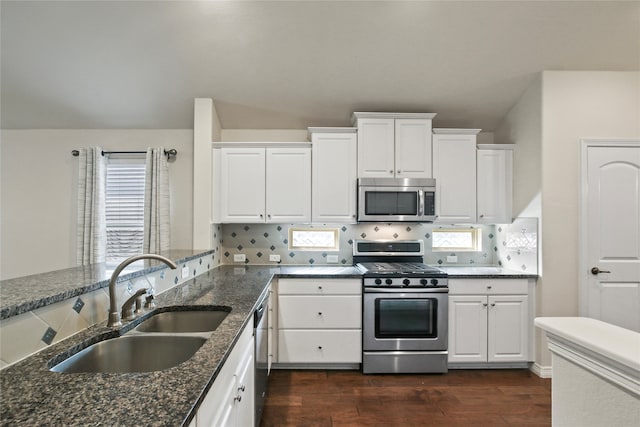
pixel 394 145
pixel 288 184
pixel 334 173
pixel 494 183
pixel 258 184
pixel 454 169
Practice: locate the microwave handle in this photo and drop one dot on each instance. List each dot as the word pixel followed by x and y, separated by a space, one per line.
pixel 421 203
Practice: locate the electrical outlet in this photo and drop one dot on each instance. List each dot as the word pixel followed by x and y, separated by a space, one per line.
pixel 239 258
pixel 274 258
pixel 185 272
pixel 452 258
pixel 332 259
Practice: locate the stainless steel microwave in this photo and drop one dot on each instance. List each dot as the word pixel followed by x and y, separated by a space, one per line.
pixel 396 199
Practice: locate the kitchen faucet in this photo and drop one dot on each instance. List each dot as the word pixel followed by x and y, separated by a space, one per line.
pixel 114 316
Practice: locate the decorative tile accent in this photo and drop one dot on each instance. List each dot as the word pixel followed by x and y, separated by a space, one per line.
pixel 518 249
pixel 77 307
pixel 49 335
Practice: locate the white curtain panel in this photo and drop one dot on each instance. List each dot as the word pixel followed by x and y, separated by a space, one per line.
pixel 91 234
pixel 156 203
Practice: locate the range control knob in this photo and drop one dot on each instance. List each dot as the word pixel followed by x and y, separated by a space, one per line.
pixel 406 282
pixel 424 282
pixel 434 282
pixel 378 281
pixel 388 281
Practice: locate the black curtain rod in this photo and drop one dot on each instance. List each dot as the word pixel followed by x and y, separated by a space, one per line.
pixel 169 153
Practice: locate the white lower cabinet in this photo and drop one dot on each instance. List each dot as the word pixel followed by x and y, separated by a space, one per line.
pixel 490 320
pixel 320 321
pixel 230 401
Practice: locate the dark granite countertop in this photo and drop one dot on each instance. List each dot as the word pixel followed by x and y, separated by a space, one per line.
pixel 33 395
pixel 54 286
pixel 485 272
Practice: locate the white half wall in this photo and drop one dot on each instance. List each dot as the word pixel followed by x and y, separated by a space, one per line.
pixel 38 177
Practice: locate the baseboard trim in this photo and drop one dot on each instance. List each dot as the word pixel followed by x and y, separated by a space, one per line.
pixel 542 371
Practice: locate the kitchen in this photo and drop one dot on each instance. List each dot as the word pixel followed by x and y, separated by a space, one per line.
pixel 541 161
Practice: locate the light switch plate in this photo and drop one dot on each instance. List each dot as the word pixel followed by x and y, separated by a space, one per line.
pixel 274 258
pixel 452 258
pixel 332 259
pixel 239 258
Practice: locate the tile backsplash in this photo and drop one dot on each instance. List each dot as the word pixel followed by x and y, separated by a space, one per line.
pixel 517 245
pixel 258 241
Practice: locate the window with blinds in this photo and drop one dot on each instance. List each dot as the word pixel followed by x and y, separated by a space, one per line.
pixel 124 208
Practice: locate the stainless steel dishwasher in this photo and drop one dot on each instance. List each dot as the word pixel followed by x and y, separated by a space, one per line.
pixel 261 333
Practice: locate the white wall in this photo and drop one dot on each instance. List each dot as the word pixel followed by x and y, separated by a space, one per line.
pixel 547 123
pixel 38 192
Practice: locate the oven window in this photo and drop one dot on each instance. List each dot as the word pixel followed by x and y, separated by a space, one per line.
pixel 406 318
pixel 391 203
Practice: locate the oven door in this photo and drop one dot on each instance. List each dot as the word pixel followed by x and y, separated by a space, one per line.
pixel 405 319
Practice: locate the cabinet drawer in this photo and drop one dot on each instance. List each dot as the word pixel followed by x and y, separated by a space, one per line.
pixel 319 287
pixel 319 346
pixel 320 312
pixel 488 286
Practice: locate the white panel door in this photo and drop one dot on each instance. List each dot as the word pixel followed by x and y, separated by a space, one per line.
pixel 242 184
pixel 494 186
pixel 612 234
pixel 454 168
pixel 334 173
pixel 508 328
pixel 376 148
pixel 467 328
pixel 413 148
pixel 288 189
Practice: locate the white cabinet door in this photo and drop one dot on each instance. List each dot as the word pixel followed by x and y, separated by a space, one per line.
pixel 508 327
pixel 244 410
pixel 468 328
pixel 288 189
pixel 272 345
pixel 454 168
pixel 494 176
pixel 242 186
pixel 376 148
pixel 334 174
pixel 413 148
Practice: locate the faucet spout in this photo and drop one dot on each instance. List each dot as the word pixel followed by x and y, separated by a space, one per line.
pixel 114 316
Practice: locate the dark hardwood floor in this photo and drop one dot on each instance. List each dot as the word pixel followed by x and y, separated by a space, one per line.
pixel 458 398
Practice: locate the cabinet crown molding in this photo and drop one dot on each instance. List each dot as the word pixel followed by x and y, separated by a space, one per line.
pixel 496 146
pixel 453 131
pixel 373 115
pixel 312 130
pixel 256 144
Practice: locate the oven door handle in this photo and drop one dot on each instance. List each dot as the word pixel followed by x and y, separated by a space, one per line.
pixel 406 290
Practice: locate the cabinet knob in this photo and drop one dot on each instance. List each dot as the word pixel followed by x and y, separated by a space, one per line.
pixel 261 216
pixel 241 388
pixel 319 313
pixel 482 216
pixel 390 171
pixel 320 287
pixel 269 216
pixel 484 305
pixel 238 398
pixel 488 286
pixel 493 304
pixel 399 172
pixel 319 347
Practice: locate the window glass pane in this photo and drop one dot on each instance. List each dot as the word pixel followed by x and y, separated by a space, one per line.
pixel 124 208
pixel 314 238
pixel 456 240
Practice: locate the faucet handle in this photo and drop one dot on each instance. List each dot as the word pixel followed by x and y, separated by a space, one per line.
pixel 149 304
pixel 127 308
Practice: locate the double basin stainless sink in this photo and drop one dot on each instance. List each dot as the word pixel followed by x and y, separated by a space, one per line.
pixel 164 340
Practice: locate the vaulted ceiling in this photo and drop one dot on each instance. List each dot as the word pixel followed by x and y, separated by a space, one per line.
pixel 293 64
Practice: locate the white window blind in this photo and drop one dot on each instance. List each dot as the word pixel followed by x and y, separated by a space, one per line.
pixel 124 208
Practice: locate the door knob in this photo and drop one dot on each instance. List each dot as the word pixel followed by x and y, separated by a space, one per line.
pixel 595 271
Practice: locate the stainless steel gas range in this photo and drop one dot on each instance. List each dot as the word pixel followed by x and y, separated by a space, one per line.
pixel 405 308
